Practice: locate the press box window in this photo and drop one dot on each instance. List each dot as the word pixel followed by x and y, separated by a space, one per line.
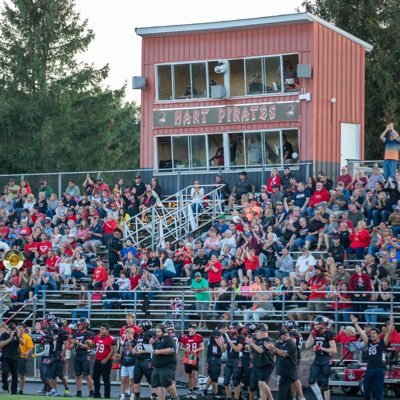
pixel 182 81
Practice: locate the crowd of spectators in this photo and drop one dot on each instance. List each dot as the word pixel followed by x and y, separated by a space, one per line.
pixel 289 241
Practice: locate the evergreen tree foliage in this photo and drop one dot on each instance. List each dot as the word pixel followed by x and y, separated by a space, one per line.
pixel 54 113
pixel 378 23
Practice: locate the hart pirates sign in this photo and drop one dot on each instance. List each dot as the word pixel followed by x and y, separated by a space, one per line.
pixel 225 115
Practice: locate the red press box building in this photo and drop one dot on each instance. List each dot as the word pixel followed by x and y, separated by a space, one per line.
pixel 250 94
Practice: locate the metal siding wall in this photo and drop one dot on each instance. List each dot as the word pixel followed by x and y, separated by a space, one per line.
pixel 339 72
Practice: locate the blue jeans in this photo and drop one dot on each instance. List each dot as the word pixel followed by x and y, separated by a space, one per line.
pixel 359 252
pixel 371 314
pixel 163 274
pixel 265 272
pixel 281 274
pixel 389 168
pixel 197 207
pixel 228 275
pixel 380 216
pixel 374 379
pixel 42 288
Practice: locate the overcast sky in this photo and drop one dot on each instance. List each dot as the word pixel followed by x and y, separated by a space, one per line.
pixel 114 24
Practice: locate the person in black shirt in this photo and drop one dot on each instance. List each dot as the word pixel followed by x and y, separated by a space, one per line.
pixel 9 344
pixel 242 186
pixel 337 251
pixel 263 360
pixel 80 341
pixel 322 340
pixel 291 327
pixel 374 377
pixel 248 330
pixel 286 363
pixel 216 346
pixel 199 263
pixel 164 363
pixel 114 249
pixel 153 262
pixel 235 343
pixel 138 187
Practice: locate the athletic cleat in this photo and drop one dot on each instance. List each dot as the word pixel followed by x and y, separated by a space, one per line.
pixel 67 393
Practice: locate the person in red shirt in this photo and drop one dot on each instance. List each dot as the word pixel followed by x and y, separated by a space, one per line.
pixel 130 323
pixel 360 239
pixel 109 226
pixel 320 195
pixel 105 349
pixel 4 231
pixel 24 230
pixel 192 343
pixel 214 270
pixel 52 261
pixel 251 262
pixel 346 335
pixel 100 275
pixel 274 179
pixel 43 246
pixel 317 299
pixel 345 178
pixel 31 246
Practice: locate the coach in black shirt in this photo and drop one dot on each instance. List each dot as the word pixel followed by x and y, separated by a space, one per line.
pixel 9 344
pixel 286 363
pixel 164 363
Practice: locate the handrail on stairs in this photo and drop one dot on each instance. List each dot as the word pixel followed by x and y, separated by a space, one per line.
pixel 173 217
pixel 32 300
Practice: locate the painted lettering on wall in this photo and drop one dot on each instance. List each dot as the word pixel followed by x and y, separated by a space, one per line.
pixel 223 115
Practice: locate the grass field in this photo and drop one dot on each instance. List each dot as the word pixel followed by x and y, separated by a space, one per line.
pixel 30 397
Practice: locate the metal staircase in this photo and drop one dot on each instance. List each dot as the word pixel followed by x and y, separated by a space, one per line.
pixel 172 218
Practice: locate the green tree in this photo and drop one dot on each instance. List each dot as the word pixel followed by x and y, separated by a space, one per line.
pixel 54 113
pixel 378 23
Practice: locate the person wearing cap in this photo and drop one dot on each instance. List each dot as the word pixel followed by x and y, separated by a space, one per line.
pixel 44 188
pixel 138 187
pixel 216 347
pixel 317 299
pixel 391 139
pixel 336 250
pixel 10 340
pixel 262 359
pixel 286 363
pixel 201 289
pixel 164 363
pixel 192 344
pixel 221 226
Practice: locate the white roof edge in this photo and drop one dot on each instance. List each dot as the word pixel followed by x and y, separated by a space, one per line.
pixel 249 22
pixel 368 47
